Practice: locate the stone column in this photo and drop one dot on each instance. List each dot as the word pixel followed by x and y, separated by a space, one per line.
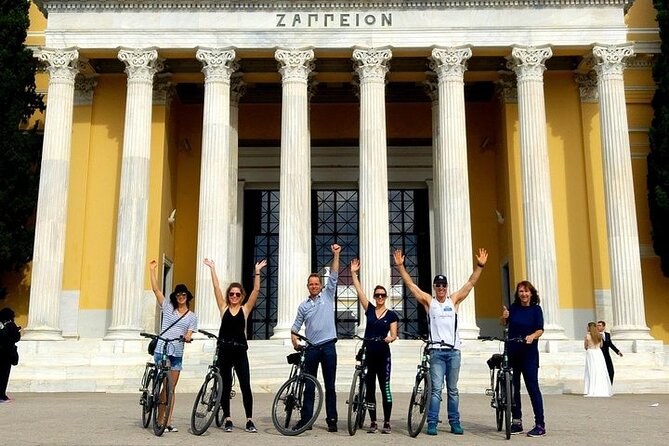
pixel 130 261
pixel 451 182
pixel 295 187
pixel 49 251
pixel 431 87
pixel 237 90
pixel 587 88
pixel 629 319
pixel 213 230
pixel 371 66
pixel 540 255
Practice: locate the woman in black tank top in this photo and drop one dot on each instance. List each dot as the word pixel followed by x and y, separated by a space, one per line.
pixel 232 343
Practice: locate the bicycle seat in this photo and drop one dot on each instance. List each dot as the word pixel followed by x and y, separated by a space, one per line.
pixel 294 358
pixel 495 361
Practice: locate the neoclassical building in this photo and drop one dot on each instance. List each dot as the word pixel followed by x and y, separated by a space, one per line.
pixel 238 130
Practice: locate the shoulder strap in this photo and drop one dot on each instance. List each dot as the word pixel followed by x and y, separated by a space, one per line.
pixel 174 323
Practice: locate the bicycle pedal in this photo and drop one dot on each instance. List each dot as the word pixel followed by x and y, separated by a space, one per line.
pixel 371 406
pixel 489 392
pixel 232 394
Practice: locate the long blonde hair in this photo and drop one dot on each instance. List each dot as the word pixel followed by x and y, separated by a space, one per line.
pixel 594 333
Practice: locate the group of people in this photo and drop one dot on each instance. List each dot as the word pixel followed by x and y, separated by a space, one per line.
pixel 598 365
pixel 523 318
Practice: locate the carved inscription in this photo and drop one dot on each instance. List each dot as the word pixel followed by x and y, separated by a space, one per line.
pixel 334 20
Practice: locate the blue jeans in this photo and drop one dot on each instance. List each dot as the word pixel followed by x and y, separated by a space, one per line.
pixel 326 356
pixel 444 364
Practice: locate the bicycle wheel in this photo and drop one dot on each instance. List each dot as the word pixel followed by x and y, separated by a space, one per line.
pixel 362 411
pixel 146 399
pixel 507 404
pixel 355 402
pixel 289 402
pixel 499 402
pixel 206 404
pixel 162 400
pixel 219 417
pixel 419 404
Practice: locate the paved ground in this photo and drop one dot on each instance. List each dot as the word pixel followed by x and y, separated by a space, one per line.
pixel 113 419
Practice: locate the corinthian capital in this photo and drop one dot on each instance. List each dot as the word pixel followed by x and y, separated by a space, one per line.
pixel 372 63
pixel 431 87
pixel 451 63
pixel 587 86
pixel 295 64
pixel 528 62
pixel 610 59
pixel 140 64
pixel 217 64
pixel 61 63
pixel 237 85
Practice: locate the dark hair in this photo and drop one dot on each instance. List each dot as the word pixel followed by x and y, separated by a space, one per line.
pixel 231 286
pixel 534 299
pixel 316 275
pixel 602 322
pixel 380 287
pixel 181 288
pixel 7 314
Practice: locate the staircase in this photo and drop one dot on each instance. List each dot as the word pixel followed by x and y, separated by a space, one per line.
pixel 96 365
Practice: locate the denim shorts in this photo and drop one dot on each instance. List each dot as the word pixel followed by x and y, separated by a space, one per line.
pixel 175 362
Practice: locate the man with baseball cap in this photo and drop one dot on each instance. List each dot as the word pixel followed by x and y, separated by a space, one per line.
pixel 442 313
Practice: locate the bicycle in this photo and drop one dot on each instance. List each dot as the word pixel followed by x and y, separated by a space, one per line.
pixel 156 389
pixel 422 388
pixel 501 383
pixel 208 401
pixel 357 397
pixel 296 395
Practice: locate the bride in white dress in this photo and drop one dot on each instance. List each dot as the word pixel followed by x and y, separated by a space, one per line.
pixel 597 381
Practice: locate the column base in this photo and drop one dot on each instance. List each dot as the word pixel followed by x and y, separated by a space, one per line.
pixel 281 332
pixel 631 332
pixel 553 333
pixel 469 332
pixel 42 334
pixel 124 333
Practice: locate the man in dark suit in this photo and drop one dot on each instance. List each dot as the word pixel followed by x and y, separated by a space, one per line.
pixel 606 337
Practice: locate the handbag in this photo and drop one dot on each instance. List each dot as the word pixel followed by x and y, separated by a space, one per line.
pixel 154 342
pixel 14 356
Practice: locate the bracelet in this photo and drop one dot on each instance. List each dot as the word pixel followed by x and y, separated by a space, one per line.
pixel 480 265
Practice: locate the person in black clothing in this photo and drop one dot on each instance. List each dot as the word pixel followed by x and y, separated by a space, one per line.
pixel 10 334
pixel 525 319
pixel 606 338
pixel 232 343
pixel 380 322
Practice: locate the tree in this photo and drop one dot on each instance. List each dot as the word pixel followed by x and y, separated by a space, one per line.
pixel 20 146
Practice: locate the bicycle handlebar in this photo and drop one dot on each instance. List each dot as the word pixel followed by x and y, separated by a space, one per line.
pixel 303 338
pixel 495 338
pixel 154 336
pixel 374 339
pixel 428 341
pixel 209 335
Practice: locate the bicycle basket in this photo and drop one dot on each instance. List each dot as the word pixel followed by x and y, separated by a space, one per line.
pixel 495 361
pixel 294 358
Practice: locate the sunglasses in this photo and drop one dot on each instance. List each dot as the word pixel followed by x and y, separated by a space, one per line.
pixel 440 285
pixel 181 294
pixel 233 294
pixel 377 295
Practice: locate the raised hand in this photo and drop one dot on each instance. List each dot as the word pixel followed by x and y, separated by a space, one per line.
pixel 355 265
pixel 336 249
pixel 399 257
pixel 260 265
pixel 505 312
pixel 209 263
pixel 153 265
pixel 482 257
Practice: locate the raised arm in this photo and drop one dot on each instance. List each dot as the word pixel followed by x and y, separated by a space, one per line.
pixel 355 267
pixel 220 299
pixel 253 297
pixel 160 297
pixel 422 297
pixel 462 293
pixel 336 249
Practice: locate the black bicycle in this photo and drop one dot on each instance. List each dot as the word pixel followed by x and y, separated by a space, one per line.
pixel 422 387
pixel 156 390
pixel 501 383
pixel 289 414
pixel 357 397
pixel 208 400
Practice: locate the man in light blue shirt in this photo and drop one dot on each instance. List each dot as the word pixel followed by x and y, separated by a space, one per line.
pixel 316 313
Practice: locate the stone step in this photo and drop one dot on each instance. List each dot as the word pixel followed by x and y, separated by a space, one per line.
pixel 96 365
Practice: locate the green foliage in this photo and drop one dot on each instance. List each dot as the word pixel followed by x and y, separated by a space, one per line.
pixel 20 150
pixel 658 158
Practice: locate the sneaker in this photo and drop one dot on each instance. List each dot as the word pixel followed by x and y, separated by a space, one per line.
pixel 372 427
pixel 386 428
pixel 537 431
pixel 332 426
pixel 227 427
pixel 171 429
pixel 250 427
pixel 300 424
pixel 516 428
pixel 457 429
pixel 432 428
